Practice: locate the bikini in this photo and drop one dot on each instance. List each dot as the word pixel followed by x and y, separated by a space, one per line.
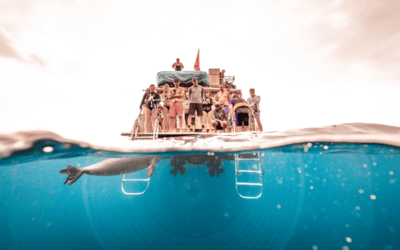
pixel 207 107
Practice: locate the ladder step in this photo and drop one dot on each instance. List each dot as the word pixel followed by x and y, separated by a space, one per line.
pixel 249 184
pixel 247 159
pixel 135 179
pixel 143 137
pixel 250 171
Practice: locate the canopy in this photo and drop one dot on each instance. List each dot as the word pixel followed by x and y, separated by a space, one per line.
pixel 185 78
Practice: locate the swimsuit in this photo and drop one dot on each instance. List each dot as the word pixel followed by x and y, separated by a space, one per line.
pixel 177 108
pixel 207 107
pixel 178 67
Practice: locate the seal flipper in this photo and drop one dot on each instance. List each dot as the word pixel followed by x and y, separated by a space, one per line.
pixel 151 167
pixel 73 174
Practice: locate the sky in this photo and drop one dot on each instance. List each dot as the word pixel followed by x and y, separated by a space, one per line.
pixel 78 67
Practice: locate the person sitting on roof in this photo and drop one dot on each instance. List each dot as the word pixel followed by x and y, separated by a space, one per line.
pixel 178 66
pixel 221 76
pixel 166 108
pixel 219 118
pixel 240 112
pixel 175 96
pixel 150 102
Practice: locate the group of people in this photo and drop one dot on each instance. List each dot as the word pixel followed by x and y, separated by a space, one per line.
pixel 219 112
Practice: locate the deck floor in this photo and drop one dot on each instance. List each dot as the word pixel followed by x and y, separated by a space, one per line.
pixel 176 134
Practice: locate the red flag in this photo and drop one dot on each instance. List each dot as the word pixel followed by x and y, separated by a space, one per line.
pixel 197 63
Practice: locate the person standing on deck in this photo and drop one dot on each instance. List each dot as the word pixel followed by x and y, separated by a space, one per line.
pixel 177 66
pixel 166 108
pixel 254 101
pixel 175 97
pixel 223 97
pixel 207 108
pixel 150 102
pixel 196 97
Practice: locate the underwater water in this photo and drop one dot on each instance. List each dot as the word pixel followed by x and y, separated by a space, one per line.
pixel 314 195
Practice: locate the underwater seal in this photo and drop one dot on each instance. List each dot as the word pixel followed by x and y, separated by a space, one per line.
pixel 112 166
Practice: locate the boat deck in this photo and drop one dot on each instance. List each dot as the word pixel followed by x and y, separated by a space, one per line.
pixel 173 135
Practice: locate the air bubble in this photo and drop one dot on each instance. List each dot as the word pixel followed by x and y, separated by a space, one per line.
pixel 361 191
pixel 326 147
pixel 48 149
pixel 345 248
pixel 314 247
pixel 373 197
pixel 348 239
pixel 358 208
pixel 279 206
pixel 391 172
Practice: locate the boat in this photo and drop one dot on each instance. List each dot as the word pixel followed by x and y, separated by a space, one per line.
pixel 210 81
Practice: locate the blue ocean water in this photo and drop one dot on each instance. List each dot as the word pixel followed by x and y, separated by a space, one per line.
pixel 314 196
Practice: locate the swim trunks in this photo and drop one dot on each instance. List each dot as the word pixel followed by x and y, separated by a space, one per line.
pixel 177 108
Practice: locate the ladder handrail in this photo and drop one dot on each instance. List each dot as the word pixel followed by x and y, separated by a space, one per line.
pixel 133 130
pixel 155 133
pixel 132 180
pixel 260 171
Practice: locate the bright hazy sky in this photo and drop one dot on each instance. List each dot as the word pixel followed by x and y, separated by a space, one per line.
pixel 78 67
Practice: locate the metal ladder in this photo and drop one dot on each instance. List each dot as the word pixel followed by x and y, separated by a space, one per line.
pixel 256 157
pixel 134 133
pixel 134 180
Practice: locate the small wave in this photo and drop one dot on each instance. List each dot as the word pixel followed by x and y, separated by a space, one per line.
pixel 343 133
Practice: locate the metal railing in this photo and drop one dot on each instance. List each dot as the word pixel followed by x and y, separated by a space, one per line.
pixel 134 180
pixel 155 132
pixel 258 157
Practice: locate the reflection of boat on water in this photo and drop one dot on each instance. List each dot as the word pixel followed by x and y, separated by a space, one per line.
pixel 213 162
pixel 211 83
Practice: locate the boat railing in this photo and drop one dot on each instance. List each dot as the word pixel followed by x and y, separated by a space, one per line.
pixel 134 130
pixel 155 133
pixel 229 79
